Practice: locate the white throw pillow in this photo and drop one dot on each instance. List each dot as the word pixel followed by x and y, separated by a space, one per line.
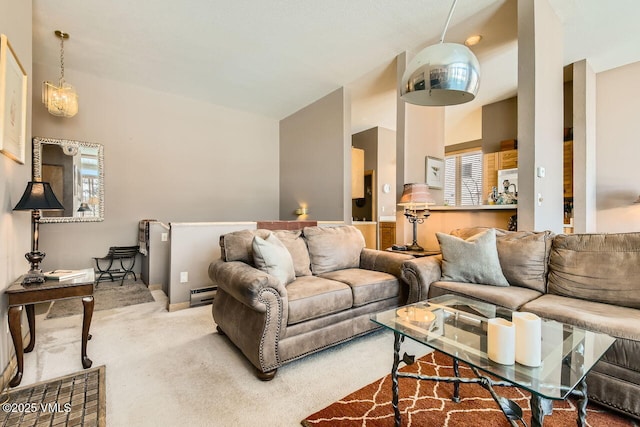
pixel 271 256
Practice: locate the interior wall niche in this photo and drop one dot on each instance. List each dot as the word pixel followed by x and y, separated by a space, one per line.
pixel 499 123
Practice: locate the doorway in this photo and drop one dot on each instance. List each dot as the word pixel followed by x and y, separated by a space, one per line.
pixel 363 209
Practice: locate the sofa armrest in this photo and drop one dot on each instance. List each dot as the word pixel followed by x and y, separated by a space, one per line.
pixel 245 283
pixel 383 261
pixel 419 273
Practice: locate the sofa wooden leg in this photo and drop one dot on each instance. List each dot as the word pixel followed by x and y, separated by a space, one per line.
pixel 266 376
pixel 220 331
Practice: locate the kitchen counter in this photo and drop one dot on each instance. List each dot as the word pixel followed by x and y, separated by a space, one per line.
pixel 474 208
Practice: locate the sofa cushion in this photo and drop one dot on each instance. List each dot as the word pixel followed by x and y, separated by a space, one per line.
pixel 366 285
pixel 272 257
pixel 512 297
pixel 333 248
pixel 238 245
pixel 293 241
pixel 474 260
pixel 311 297
pixel 523 255
pixel 621 322
pixel 597 267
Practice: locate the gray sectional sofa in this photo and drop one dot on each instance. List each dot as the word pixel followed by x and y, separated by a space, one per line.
pixel 277 306
pixel 588 280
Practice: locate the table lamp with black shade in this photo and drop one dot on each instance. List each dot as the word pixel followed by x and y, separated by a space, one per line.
pixel 416 200
pixel 84 207
pixel 37 196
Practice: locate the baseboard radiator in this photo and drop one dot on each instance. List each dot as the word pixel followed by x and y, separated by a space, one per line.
pixel 202 296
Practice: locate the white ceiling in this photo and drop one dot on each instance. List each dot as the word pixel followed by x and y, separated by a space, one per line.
pixel 275 57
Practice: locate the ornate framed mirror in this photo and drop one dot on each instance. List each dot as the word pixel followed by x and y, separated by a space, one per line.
pixel 75 170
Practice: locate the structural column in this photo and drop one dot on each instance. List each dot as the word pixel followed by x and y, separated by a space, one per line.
pixel 540 117
pixel 584 148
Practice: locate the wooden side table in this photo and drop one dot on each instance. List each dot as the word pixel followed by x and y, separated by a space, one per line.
pixel 416 254
pixel 20 295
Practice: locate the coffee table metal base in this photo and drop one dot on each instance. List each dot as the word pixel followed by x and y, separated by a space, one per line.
pixel 540 406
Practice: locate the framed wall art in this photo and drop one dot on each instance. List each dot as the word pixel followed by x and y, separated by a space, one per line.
pixel 13 103
pixel 434 171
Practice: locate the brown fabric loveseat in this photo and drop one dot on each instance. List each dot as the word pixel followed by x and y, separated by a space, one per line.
pixel 275 315
pixel 588 280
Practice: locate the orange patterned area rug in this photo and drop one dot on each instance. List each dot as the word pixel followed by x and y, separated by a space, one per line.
pixel 428 403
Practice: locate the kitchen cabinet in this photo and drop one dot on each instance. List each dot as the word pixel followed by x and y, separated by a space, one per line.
pixel 357 173
pixel 387 234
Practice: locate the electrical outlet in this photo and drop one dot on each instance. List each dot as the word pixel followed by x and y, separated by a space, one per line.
pixel 164 237
pixel 184 277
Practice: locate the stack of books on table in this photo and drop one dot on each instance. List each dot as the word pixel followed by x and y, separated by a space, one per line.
pixel 64 274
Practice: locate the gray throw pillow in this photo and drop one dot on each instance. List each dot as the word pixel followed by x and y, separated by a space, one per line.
pixel 293 241
pixel 272 257
pixel 471 261
pixel 334 248
pixel 523 255
pixel 236 246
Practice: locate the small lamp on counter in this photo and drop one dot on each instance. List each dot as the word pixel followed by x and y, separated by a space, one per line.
pixel 37 196
pixel 416 200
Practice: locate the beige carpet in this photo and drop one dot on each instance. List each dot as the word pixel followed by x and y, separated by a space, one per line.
pixel 107 295
pixel 170 369
pixel 73 400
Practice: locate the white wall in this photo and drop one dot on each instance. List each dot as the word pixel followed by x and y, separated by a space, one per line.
pixel 166 157
pixel 15 228
pixel 193 247
pixel 618 149
pixel 386 172
pixel 462 126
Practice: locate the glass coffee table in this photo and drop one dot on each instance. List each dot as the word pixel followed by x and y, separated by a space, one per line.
pixel 457 326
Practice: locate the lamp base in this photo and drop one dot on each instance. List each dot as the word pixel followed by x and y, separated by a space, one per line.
pixel 33 277
pixel 35 274
pixel 415 247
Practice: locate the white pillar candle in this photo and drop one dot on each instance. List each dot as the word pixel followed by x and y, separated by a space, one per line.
pixel 501 335
pixel 528 338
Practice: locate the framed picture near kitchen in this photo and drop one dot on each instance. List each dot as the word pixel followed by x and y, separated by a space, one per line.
pixel 434 171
